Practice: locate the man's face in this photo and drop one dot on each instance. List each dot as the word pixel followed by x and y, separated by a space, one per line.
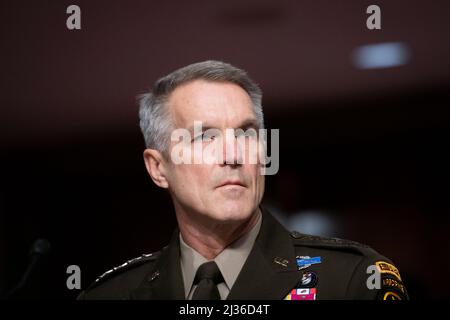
pixel 198 189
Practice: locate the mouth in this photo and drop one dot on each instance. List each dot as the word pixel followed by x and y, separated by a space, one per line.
pixel 231 183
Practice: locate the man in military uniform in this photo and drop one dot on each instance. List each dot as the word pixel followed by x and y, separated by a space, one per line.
pixel 227 246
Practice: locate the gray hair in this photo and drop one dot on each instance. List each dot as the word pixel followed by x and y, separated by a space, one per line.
pixel 155 121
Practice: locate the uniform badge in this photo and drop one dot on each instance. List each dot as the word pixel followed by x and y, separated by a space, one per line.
pixel 388 282
pixel 309 280
pixel 304 262
pixel 387 268
pixel 281 261
pixel 302 294
pixel 392 285
pixel 390 295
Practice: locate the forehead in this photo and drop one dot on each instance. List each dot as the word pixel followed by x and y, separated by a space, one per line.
pixel 217 104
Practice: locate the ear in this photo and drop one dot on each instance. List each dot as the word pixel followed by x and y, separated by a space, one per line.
pixel 156 167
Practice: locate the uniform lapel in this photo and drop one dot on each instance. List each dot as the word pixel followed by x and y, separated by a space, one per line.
pixel 270 271
pixel 164 282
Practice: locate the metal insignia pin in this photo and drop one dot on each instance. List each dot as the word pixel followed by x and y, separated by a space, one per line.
pixel 153 276
pixel 309 280
pixel 281 261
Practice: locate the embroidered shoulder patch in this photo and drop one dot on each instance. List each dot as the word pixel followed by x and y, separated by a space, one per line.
pixel 387 268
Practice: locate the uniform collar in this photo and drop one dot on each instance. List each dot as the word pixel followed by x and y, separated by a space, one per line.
pixel 269 271
pixel 229 261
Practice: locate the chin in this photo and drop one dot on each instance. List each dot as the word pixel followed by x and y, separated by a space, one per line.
pixel 232 212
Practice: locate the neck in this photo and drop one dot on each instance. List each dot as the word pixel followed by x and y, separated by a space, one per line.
pixel 210 238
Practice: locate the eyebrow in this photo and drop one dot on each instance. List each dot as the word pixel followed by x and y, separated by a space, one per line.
pixel 249 123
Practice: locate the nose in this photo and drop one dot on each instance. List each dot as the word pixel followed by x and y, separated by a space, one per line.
pixel 232 149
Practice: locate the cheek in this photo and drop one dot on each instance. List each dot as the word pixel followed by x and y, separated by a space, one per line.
pixel 191 177
pixel 257 179
pixel 261 186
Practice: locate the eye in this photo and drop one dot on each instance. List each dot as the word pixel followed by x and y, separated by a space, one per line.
pixel 208 136
pixel 205 136
pixel 249 134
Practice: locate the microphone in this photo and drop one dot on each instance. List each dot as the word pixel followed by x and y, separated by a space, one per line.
pixel 39 248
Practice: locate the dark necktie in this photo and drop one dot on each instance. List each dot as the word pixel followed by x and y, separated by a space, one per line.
pixel 207 277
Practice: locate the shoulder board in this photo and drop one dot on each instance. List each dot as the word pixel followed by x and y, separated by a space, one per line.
pixel 132 263
pixel 311 240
